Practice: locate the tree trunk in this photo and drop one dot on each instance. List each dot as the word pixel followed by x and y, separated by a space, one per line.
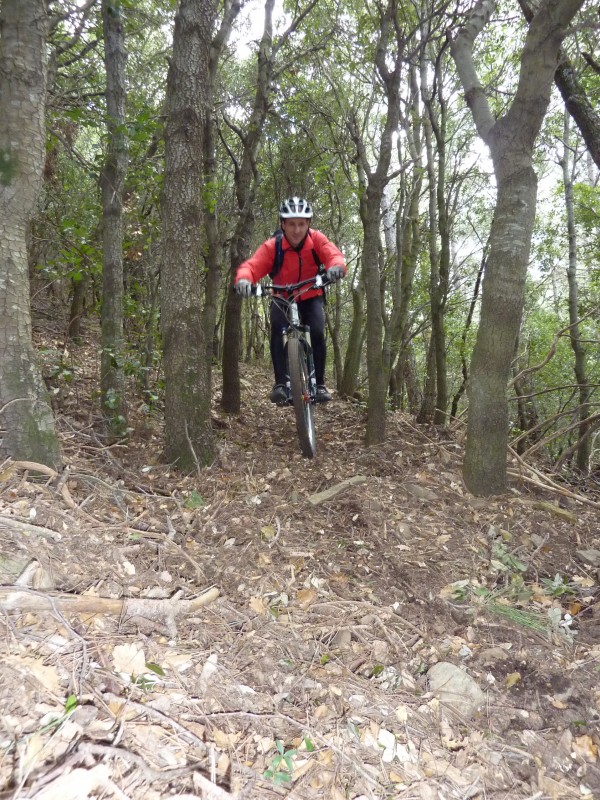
pixel 388 61
pixel 189 440
pixel 434 407
pixel 214 266
pixel 370 203
pixel 77 309
pixel 333 319
pixel 584 448
pixel 511 141
pixel 463 337
pixel 427 409
pixel 576 100
pixel 503 293
pixel 439 288
pixel 112 180
pixel 349 379
pixel 245 190
pixel 27 430
pixel 409 245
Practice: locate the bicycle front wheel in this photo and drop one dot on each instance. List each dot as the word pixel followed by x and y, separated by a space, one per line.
pixel 303 410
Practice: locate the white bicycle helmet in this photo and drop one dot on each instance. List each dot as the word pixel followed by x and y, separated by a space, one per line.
pixel 295 207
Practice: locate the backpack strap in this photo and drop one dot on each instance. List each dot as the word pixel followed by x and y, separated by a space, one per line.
pixel 278 260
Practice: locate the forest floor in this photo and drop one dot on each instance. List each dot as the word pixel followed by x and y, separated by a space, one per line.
pixel 270 628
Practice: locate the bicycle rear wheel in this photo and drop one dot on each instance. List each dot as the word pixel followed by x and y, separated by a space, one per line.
pixel 303 410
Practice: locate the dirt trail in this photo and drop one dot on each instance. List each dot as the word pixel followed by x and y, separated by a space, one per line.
pixel 307 676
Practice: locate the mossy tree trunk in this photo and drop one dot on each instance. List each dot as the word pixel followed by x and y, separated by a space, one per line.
pixel 27 429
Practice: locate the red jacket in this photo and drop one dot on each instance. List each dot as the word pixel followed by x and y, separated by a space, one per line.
pixel 296 266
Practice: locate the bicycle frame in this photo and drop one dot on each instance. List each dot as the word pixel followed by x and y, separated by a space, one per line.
pixel 295 328
pixel 301 381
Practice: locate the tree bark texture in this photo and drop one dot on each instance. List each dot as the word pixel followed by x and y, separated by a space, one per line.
pixel 112 180
pixel 189 440
pixel 27 429
pixel 511 141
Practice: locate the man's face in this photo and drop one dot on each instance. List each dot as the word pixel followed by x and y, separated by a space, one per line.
pixel 295 229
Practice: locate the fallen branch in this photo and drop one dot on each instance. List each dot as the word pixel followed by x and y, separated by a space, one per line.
pixel 27 527
pixel 13 598
pixel 543 482
pixel 327 494
pixel 210 789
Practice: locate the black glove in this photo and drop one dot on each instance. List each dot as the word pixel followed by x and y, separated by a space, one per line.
pixel 335 273
pixel 243 287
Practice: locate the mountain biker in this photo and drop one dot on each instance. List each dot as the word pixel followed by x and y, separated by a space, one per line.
pixel 304 251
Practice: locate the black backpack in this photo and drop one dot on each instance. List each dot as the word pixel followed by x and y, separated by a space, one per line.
pixel 278 260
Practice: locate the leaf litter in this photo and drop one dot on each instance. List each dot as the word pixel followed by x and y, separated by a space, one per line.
pixel 329 590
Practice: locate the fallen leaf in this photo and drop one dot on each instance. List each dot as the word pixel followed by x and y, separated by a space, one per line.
pixel 585 748
pixel 129 659
pixel 395 778
pixel 46 675
pixel 512 679
pixel 556 703
pixel 305 597
pixel 257 605
pixel 325 757
pixel 225 740
pixel 267 532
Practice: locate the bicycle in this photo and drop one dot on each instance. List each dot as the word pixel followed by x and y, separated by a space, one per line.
pixel 301 385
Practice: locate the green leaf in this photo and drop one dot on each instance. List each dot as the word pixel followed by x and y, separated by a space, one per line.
pixel 155 668
pixel 71 703
pixel 195 500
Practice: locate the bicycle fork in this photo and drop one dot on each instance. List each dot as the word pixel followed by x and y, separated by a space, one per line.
pixel 310 362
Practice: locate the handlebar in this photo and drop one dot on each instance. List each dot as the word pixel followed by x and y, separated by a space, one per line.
pixel 318 281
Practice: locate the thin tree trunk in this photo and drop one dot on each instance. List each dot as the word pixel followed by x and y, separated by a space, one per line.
pixel 245 190
pixel 439 293
pixel 409 244
pixel 389 48
pixel 112 180
pixel 463 338
pixel 27 430
pixel 189 440
pixel 584 448
pixel 77 308
pixel 349 380
pixel 333 326
pixel 214 267
pixel 427 409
